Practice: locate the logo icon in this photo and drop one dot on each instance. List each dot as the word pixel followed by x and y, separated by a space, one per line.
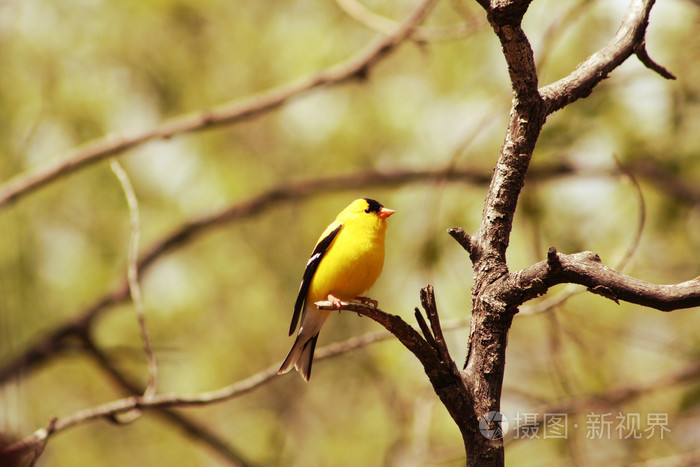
pixel 493 425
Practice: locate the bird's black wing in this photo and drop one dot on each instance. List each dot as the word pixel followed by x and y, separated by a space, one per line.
pixel 311 266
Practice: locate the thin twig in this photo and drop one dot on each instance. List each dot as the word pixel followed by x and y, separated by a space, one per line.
pixel 39 447
pixel 641 52
pixel 641 223
pixel 572 290
pixel 558 27
pixel 133 274
pixel 427 299
pixel 225 114
pixel 590 72
pixel 188 425
pixel 114 408
pixel 62 336
pixel 614 397
pixel 425 329
pixel 384 25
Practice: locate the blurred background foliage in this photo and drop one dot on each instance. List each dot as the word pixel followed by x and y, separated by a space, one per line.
pixel 218 307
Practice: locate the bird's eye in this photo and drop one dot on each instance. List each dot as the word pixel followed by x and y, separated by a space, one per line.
pixel 367 210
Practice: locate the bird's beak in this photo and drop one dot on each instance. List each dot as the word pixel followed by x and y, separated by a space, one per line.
pixel 384 213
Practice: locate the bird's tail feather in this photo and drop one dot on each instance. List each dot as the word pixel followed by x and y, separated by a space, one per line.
pixel 300 357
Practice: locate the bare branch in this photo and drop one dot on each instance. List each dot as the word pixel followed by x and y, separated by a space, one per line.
pixel 225 114
pixel 587 269
pixel 133 274
pixel 526 120
pixel 406 334
pixel 496 293
pixel 668 181
pixel 113 409
pixel 491 319
pixel 572 290
pixel 188 425
pixel 425 329
pixel 462 237
pixel 433 334
pixel 612 398
pixel 340 348
pixel 628 40
pixel 70 334
pixel 640 50
pixel 447 381
pixel 427 299
pixel 385 25
pixel 637 237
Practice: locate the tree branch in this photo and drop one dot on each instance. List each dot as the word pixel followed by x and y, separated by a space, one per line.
pixel 406 334
pixel 163 402
pixel 440 368
pixel 65 336
pixel 132 275
pixel 427 299
pixel 628 40
pixel 558 300
pixel 491 319
pixel 586 268
pixel 496 293
pixel 186 424
pixel 640 50
pixel 384 25
pixel 113 409
pixel 612 398
pixel 526 121
pixel 225 114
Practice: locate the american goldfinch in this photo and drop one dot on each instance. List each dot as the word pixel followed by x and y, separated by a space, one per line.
pixel 345 263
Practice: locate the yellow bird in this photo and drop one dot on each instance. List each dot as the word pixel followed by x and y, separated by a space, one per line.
pixel 345 263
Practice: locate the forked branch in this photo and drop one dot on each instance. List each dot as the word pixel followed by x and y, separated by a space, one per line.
pixel 629 40
pixel 432 352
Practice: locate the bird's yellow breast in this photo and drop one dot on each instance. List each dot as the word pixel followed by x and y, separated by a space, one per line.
pixel 352 263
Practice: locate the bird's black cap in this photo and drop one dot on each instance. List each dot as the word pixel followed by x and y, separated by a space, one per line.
pixel 373 205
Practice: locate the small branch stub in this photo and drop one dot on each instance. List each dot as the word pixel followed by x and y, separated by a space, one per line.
pixel 604 292
pixel 427 299
pixel 462 237
pixel 553 259
pixel 640 50
pixel 466 241
pixel 425 329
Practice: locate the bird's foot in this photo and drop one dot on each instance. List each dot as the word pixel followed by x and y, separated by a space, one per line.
pixel 335 301
pixel 367 301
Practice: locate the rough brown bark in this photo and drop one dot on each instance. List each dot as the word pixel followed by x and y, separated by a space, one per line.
pixel 472 394
pixel 496 294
